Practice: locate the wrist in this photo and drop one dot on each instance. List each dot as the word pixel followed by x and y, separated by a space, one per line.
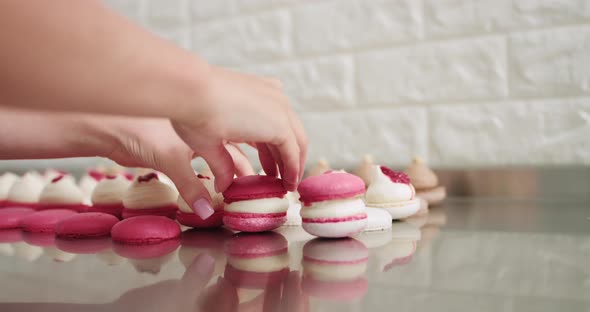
pixel 191 85
pixel 93 135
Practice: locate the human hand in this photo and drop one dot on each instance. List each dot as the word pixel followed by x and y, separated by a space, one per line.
pixel 152 143
pixel 244 108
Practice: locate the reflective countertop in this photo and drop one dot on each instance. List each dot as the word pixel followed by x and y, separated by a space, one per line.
pixel 477 254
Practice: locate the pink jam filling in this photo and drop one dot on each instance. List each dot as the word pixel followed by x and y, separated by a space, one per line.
pixel 395 176
pixel 358 216
pixel 148 177
pixel 335 262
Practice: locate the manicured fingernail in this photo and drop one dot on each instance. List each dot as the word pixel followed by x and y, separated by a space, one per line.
pixel 203 208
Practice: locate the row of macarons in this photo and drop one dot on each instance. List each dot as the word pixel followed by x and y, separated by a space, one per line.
pixel 252 203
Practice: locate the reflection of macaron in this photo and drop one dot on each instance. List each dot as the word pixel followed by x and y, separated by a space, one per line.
pixel 44 221
pixel 27 252
pixel 255 204
pixel 10 218
pixel 40 239
pixel 62 193
pixel 256 260
pixel 107 196
pixel 195 242
pixel 186 215
pixel 332 206
pixel 58 255
pixel 83 246
pixel 144 230
pixel 400 250
pixel 25 191
pixel 393 192
pixel 11 236
pixel 148 196
pixel 148 258
pixel 6 181
pixel 86 225
pixel 335 270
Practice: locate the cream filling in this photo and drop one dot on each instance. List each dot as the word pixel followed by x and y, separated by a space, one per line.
pixel 334 272
pixel 333 208
pixel 63 191
pixel 110 191
pixel 383 190
pixel 262 264
pixel 261 205
pixel 149 194
pixel 7 180
pixel 27 189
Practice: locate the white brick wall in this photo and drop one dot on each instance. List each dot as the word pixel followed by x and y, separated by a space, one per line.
pixel 460 82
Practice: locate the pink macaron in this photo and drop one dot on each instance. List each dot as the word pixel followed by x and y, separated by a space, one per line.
pixel 246 251
pixel 86 225
pixel 11 236
pixel 145 230
pixel 10 218
pixel 91 245
pixel 44 221
pixel 255 204
pixel 332 205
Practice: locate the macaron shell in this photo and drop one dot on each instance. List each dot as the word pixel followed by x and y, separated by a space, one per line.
pixel 253 222
pixel 84 246
pixel 146 251
pixel 112 209
pixel 194 221
pixel 10 217
pixel 145 230
pixel 344 228
pixel 166 211
pixel 44 221
pixel 401 210
pixel 330 186
pixel 86 225
pixel 254 187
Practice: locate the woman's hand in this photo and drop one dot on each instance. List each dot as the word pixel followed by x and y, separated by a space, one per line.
pixel 152 143
pixel 237 107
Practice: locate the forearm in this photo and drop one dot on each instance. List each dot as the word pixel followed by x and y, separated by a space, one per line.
pixel 35 135
pixel 80 56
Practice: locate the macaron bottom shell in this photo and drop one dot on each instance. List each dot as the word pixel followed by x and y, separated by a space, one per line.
pixel 253 222
pixel 194 221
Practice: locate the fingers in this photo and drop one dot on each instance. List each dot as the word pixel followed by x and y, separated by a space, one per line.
pixel 198 274
pixel 241 161
pixel 221 164
pixel 289 161
pixel 301 138
pixel 266 159
pixel 191 189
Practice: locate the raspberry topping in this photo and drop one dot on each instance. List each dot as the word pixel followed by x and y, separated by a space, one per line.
pixel 129 176
pixel 110 177
pixel 395 176
pixel 148 177
pixel 59 177
pixel 200 176
pixel 96 175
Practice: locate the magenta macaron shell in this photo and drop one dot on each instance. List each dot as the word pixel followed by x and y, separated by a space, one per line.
pixel 194 221
pixel 143 230
pixel 44 221
pixel 11 236
pixel 253 222
pixel 10 217
pixel 146 251
pixel 164 211
pixel 254 187
pixel 74 207
pixel 83 246
pixel 86 225
pixel 330 186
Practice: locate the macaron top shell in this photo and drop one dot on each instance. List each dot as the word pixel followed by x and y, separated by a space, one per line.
pixel 44 221
pixel 254 187
pixel 145 230
pixel 89 224
pixel 330 186
pixel 422 177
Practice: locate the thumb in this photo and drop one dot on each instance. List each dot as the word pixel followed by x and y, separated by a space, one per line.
pixel 191 189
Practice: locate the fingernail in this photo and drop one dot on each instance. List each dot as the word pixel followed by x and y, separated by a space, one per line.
pixel 203 208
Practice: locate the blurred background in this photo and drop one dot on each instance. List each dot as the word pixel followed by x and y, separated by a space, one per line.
pixel 462 83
